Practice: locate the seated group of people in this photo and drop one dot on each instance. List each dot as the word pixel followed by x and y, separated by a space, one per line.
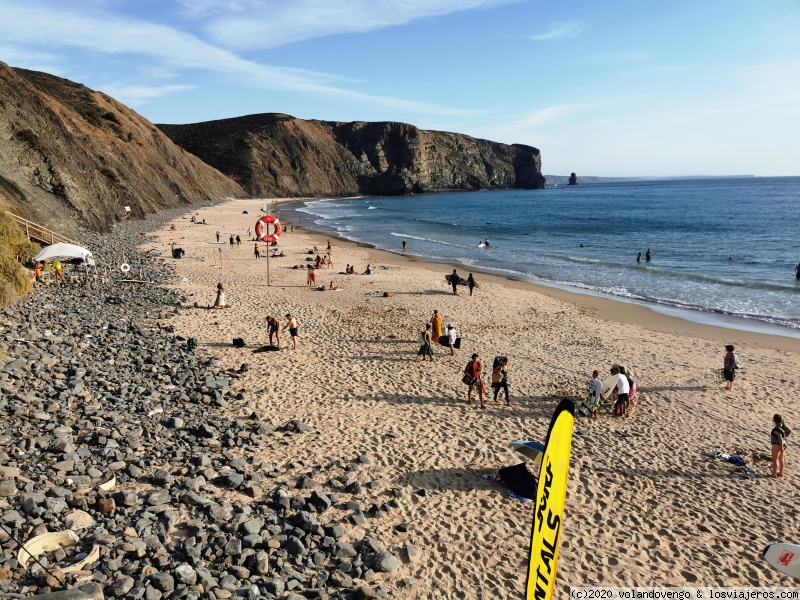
pixel 323 262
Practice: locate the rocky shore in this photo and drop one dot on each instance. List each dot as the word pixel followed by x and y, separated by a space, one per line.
pixel 113 428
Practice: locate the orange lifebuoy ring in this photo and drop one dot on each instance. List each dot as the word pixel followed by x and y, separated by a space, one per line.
pixel 262 231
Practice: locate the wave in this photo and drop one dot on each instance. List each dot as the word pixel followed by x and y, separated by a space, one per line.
pixel 424 239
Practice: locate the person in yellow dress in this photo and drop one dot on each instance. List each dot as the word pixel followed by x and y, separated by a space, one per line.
pixel 436 325
pixel 59 276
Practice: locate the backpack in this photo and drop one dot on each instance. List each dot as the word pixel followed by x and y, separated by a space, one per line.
pixel 737 364
pixel 238 343
pixel 191 343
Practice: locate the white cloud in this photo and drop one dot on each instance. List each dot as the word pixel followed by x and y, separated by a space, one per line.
pixel 134 95
pixel 280 22
pixel 105 34
pixel 19 56
pixel 561 30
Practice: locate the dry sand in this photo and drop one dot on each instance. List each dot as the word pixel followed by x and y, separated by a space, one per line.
pixel 644 507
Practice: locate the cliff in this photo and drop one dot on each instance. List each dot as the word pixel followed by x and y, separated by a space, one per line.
pixel 71 157
pixel 279 155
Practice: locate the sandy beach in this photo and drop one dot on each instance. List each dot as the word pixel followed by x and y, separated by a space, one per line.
pixel 644 506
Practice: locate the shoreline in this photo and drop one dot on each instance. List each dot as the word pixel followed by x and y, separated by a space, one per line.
pixel 356 378
pixel 620 309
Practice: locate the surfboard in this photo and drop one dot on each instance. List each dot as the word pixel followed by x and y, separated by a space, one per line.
pixel 481 245
pixel 784 558
pixel 609 383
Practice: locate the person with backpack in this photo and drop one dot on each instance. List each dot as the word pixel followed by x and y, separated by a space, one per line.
pixel 780 431
pixel 730 364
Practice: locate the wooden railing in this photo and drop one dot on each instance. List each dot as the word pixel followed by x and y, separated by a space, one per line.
pixel 39 233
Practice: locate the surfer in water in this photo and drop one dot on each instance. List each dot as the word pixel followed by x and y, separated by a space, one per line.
pixel 797 271
pixel 486 242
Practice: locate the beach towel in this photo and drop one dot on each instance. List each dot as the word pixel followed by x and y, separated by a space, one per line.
pixel 519 480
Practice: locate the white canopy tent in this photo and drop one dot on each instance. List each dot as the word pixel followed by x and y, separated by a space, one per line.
pixel 63 251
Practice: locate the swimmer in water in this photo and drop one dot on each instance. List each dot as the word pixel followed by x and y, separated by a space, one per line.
pixel 486 242
pixel 639 257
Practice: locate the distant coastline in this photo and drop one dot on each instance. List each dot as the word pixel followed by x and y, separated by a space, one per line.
pixel 563 179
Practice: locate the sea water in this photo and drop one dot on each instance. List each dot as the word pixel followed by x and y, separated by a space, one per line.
pixel 719 246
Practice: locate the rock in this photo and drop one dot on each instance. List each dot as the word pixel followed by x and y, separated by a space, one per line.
pixel 162 477
pixel 106 505
pixel 78 519
pixel 386 562
pixel 88 591
pixel 120 587
pixel 185 574
pixel 162 582
pixel 364 592
pixel 294 546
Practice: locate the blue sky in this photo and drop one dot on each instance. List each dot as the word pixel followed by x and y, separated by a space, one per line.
pixel 638 87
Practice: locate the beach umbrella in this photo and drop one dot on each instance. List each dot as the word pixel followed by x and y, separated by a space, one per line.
pixel 532 450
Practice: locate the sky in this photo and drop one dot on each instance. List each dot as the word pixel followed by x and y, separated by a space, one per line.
pixel 614 88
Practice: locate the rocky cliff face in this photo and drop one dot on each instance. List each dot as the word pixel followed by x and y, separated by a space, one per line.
pixel 278 155
pixel 71 156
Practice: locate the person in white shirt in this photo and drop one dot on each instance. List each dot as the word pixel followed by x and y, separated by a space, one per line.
pixel 452 336
pixel 623 389
pixel 596 385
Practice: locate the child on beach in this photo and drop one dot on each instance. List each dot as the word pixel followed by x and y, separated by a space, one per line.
pixel 596 389
pixel 729 367
pixel 452 336
pixel 220 301
pixel 291 325
pixel 780 431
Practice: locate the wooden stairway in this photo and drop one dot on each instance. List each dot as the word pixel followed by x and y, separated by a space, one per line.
pixel 39 233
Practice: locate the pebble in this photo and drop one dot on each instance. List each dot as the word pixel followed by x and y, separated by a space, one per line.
pixel 94 388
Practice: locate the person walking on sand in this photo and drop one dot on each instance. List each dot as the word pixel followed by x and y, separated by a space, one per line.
pixel 249 232
pixel 500 377
pixel 238 241
pixel 436 325
pixel 218 236
pixel 474 373
pixel 426 349
pixel 471 283
pixel 780 431
pixel 452 336
pixel 232 241
pixel 291 325
pixel 257 252
pixel 312 277
pixel 454 279
pixel 729 366
pixel 274 329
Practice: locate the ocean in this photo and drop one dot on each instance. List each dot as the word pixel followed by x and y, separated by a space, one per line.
pixel 720 247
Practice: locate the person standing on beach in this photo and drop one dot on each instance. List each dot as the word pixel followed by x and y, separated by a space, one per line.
pixel 274 329
pixel 249 232
pixel 257 252
pixel 220 300
pixel 596 387
pixel 404 246
pixel 454 279
pixel 471 283
pixel 238 241
pixel 452 336
pixel 623 389
pixel 648 255
pixel 500 377
pixel 729 367
pixel 426 349
pixel 780 431
pixel 291 325
pixel 232 241
pixel 59 272
pixel 218 236
pixel 436 325
pixel 474 372
pixel 312 277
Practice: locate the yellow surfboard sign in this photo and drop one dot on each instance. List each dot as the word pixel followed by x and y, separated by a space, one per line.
pixel 548 517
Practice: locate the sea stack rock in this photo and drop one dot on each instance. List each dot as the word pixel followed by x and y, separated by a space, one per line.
pixel 573 179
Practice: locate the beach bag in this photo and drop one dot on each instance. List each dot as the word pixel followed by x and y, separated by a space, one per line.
pixel 737 364
pixel 191 343
pixel 238 343
pixel 421 338
pixel 497 377
pixel 466 379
